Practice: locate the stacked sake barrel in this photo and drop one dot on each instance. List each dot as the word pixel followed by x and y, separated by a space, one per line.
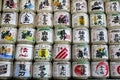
pixel 80 47
pixel 62 40
pixel 8 36
pixel 113 25
pixel 42 67
pixel 25 40
pixel 99 39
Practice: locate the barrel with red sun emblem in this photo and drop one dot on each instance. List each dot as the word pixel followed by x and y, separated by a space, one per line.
pixel 115 69
pixel 62 52
pixel 81 69
pixel 100 69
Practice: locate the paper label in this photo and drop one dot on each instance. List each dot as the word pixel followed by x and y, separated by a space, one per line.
pixel 96 5
pixel 5 69
pixel 28 4
pixel 27 18
pixel 44 19
pixel 6 51
pixel 114 36
pixel 99 35
pixel 44 5
pixel 114 51
pixel 61 69
pixel 61 18
pixel 81 69
pixel 79 6
pixel 9 18
pixel 113 20
pixel 24 52
pixel 26 34
pixel 42 70
pixel 44 35
pixel 61 5
pixel 80 35
pixel 100 69
pixel 80 20
pixel 98 20
pixel 10 4
pixel 81 52
pixel 62 51
pixel 63 34
pixel 99 52
pixel 43 52
pixel 23 69
pixel 8 34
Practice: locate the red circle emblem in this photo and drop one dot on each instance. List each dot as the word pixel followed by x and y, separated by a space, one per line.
pixel 118 69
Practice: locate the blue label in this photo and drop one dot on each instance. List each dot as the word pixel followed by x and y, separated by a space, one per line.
pixel 21 70
pixel 6 55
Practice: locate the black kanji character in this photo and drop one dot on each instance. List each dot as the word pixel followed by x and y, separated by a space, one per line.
pixel 7 18
pixel 42 73
pixel 62 71
pixel 44 36
pixel 63 35
pixel 117 38
pixel 101 36
pixel 44 19
pixel 81 35
pixel 26 18
pixel 22 70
